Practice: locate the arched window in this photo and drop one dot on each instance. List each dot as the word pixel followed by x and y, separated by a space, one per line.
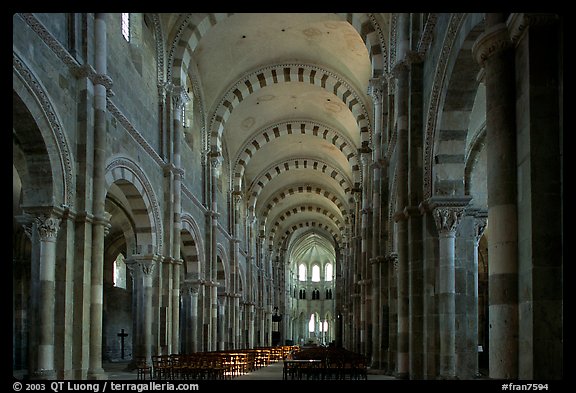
pixel 120 272
pixel 126 26
pixel 328 272
pixel 302 272
pixel 312 324
pixel 315 273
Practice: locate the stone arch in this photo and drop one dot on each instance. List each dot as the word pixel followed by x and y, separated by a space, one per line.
pixel 136 187
pixel 457 42
pixel 294 163
pixel 189 33
pixel 36 123
pixel 222 268
pixel 283 237
pixel 303 127
pixel 296 189
pixel 192 249
pixel 302 209
pixel 454 111
pixel 285 73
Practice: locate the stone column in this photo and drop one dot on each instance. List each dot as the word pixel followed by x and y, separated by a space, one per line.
pixel 179 98
pixel 101 81
pixel 365 223
pixel 48 226
pixel 401 222
pixel 538 40
pixel 215 168
pixel 142 268
pixel 480 222
pixel 493 51
pixel 447 213
pixel 392 260
pixel 376 91
pixel 221 328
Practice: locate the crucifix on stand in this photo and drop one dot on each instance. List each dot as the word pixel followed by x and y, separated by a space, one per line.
pixel 122 335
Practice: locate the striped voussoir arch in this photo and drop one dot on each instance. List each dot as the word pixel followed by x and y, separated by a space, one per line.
pixel 191 30
pixel 143 204
pixel 277 222
pixel 295 127
pixel 371 33
pixel 285 73
pixel 295 163
pixel 192 248
pixel 299 189
pixel 452 134
pixel 282 243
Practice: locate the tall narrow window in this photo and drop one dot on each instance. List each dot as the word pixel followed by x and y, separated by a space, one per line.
pixel 126 26
pixel 302 272
pixel 312 324
pixel 315 273
pixel 120 272
pixel 328 272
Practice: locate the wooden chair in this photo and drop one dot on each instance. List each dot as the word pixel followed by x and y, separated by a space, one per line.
pixel 143 369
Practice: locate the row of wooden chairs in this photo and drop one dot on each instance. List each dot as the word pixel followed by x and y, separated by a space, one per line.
pixel 325 363
pixel 208 365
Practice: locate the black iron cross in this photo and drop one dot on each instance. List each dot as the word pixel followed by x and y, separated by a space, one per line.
pixel 122 335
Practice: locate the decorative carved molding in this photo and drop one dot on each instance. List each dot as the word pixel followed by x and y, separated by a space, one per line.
pixel 381 40
pixel 159 35
pixel 393 38
pixel 114 111
pixel 55 126
pixel 427 36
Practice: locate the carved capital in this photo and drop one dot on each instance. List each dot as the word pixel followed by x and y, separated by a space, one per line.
pixel 519 23
pixel 376 90
pixel 480 223
pixel 142 264
pixel 48 227
pixel 494 40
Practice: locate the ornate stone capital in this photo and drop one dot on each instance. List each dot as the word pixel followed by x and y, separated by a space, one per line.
pixel 392 258
pixel 48 227
pixel 480 223
pixel 494 40
pixel 376 90
pixel 447 212
pixel 518 23
pixel 216 161
pixel 142 264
